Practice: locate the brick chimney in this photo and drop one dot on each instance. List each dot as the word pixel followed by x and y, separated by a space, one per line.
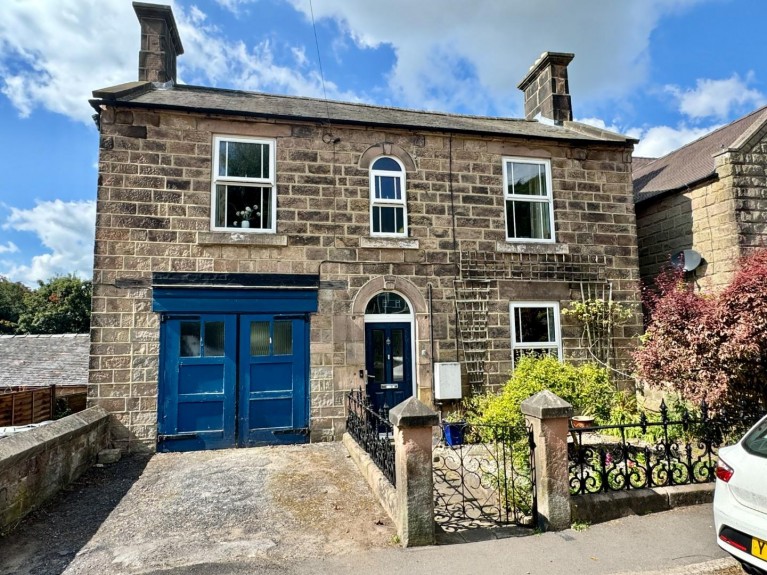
pixel 546 89
pixel 160 43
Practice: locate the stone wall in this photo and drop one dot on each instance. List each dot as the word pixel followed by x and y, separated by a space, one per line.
pixel 721 219
pixel 747 174
pixel 36 464
pixel 154 208
pixel 701 219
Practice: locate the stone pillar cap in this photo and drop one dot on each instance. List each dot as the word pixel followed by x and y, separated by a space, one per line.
pixel 413 413
pixel 546 405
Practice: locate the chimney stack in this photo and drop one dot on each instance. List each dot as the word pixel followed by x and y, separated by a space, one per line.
pixel 160 43
pixel 546 89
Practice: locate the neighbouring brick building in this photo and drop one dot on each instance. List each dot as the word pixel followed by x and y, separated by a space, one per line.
pixel 257 256
pixel 709 196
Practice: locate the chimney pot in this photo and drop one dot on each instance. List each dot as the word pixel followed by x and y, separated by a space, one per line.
pixel 160 43
pixel 546 88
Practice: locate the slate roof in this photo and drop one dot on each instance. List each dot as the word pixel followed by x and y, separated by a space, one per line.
pixel 640 161
pixel 235 102
pixel 691 163
pixel 60 359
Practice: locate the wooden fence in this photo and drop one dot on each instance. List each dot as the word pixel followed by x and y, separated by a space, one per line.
pixel 24 405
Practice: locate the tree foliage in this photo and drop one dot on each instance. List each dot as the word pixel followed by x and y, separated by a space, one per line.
pixel 60 305
pixel 711 348
pixel 11 304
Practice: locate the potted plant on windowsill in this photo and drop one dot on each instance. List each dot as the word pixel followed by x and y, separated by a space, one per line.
pixel 454 426
pixel 246 216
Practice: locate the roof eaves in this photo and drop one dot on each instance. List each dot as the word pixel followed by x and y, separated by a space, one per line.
pixel 95 103
pixel 747 134
pixel 593 131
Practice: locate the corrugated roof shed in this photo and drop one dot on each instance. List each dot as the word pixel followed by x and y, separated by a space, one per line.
pixel 291 108
pixel 691 163
pixel 60 359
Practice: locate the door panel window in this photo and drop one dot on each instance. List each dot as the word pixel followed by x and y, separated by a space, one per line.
pixel 259 338
pixel 398 355
pixel 190 339
pixel 283 338
pixel 379 353
pixel 214 339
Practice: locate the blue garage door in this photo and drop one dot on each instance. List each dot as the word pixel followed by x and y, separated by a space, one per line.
pixel 198 380
pixel 272 398
pixel 233 379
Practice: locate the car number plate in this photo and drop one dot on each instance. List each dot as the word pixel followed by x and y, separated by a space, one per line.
pixel 759 548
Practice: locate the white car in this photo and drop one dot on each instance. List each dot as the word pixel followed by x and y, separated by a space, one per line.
pixel 740 500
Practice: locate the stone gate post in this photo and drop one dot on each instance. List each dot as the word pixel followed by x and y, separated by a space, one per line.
pixel 549 415
pixel 413 422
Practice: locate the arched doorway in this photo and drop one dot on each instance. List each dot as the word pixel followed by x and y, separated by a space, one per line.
pixel 389 349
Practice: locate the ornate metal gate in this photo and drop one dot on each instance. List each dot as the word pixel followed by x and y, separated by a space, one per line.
pixel 484 476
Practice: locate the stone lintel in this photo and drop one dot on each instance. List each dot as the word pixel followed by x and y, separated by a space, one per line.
pixel 546 405
pixel 413 413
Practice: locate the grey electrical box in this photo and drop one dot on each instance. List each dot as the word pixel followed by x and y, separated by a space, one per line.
pixel 447 380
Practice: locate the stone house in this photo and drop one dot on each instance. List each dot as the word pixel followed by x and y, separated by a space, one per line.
pixel 257 256
pixel 709 196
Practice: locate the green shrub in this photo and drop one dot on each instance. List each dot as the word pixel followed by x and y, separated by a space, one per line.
pixel 587 387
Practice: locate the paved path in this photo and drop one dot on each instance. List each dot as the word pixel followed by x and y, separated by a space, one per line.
pixel 207 510
pixel 677 542
pixel 305 510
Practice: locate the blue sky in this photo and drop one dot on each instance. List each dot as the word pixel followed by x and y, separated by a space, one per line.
pixel 664 71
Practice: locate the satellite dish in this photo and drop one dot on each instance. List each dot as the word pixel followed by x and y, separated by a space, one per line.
pixel 687 260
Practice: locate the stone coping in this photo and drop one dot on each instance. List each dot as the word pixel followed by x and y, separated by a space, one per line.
pixel 18 446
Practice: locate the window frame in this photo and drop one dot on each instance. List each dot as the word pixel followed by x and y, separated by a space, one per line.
pixel 557 344
pixel 375 202
pixel 548 199
pixel 270 182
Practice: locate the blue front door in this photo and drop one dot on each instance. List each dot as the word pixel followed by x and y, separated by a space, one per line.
pixel 388 360
pixel 232 380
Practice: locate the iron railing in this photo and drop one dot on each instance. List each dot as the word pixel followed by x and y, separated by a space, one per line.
pixel 372 430
pixel 484 476
pixel 647 454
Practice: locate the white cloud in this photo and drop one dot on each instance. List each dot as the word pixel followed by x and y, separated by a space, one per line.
pixel 655 141
pixel 53 53
pixel 437 44
pixel 660 140
pixel 65 229
pixel 9 248
pixel 234 6
pixel 718 98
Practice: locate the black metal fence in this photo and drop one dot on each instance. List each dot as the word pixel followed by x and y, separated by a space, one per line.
pixel 646 454
pixel 484 476
pixel 372 431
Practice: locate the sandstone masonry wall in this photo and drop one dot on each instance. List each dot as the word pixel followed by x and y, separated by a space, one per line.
pixel 154 206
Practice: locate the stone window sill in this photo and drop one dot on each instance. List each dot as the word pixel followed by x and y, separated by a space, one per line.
pixel 389 243
pixel 531 248
pixel 241 238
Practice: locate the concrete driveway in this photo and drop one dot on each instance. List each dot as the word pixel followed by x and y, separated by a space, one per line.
pixel 253 510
